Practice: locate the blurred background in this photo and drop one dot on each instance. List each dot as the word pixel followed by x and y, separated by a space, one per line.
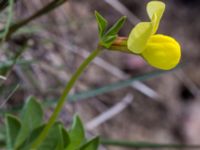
pixel 119 96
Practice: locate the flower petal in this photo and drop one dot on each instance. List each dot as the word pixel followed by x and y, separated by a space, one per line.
pixel 162 52
pixel 139 37
pixel 155 10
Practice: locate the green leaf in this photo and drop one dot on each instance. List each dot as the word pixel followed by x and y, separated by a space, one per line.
pixel 91 145
pixel 54 140
pixel 31 118
pixel 107 41
pixel 32 136
pixel 76 134
pixel 111 34
pixel 102 24
pixel 60 142
pixel 61 135
pixel 116 27
pixel 12 129
pixel 66 138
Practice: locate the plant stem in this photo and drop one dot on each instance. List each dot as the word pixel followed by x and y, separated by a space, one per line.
pixel 4 4
pixel 9 19
pixel 132 145
pixel 63 97
pixel 16 26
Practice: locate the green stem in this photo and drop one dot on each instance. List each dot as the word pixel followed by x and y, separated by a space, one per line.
pixel 64 95
pixel 132 145
pixel 49 7
pixel 9 20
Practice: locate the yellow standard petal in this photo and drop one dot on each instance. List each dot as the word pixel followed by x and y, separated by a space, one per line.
pixel 139 37
pixel 162 52
pixel 155 10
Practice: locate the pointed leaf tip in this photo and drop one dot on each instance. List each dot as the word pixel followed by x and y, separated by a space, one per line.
pixel 102 23
pixel 76 134
pixel 116 27
pixel 92 144
pixel 31 118
pixel 13 126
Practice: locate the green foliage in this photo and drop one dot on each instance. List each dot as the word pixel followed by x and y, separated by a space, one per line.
pixel 22 131
pixel 107 37
pixel 76 134
pixel 4 4
pixel 13 126
pixel 5 34
pixel 144 145
pixel 102 24
pixel 31 118
pixel 9 19
pixel 91 145
pixel 54 139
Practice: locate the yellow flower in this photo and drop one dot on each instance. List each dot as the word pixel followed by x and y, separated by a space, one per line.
pixel 158 50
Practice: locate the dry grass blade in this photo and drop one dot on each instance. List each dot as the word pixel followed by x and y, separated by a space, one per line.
pixel 9 96
pixel 3 77
pixel 116 4
pixel 119 107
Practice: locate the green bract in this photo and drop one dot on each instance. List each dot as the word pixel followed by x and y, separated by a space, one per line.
pixel 108 36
